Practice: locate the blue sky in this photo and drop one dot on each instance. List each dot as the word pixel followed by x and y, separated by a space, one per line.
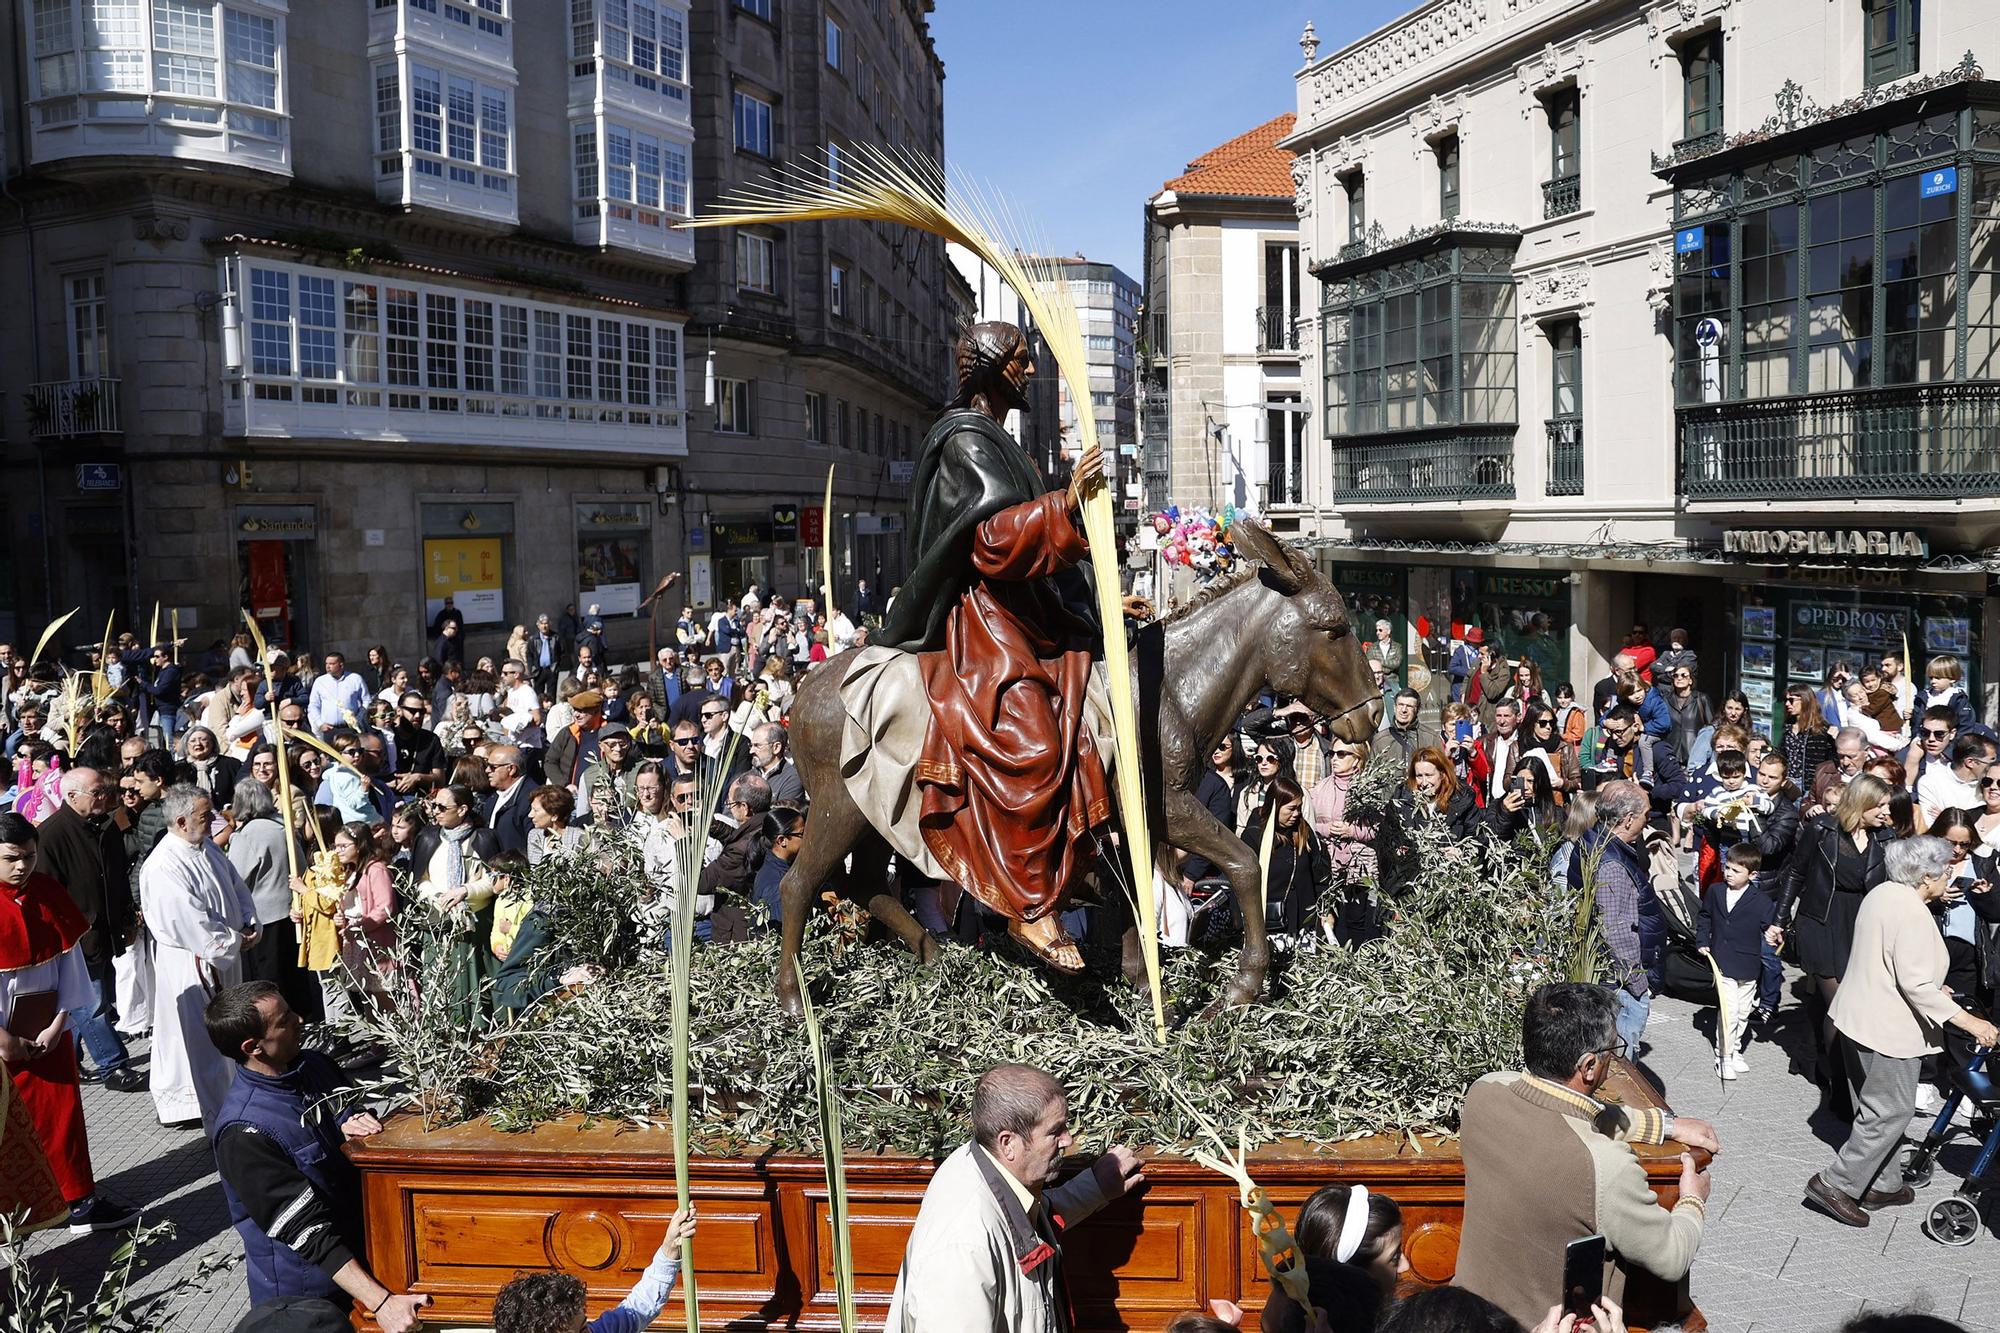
pixel 1078 110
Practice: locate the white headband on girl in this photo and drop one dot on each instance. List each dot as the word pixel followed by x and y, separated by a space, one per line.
pixel 1355 1226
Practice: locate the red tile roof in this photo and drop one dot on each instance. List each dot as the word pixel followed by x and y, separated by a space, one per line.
pixel 1249 164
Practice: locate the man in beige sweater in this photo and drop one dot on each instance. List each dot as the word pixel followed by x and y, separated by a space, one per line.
pixel 1892 1007
pixel 1547 1163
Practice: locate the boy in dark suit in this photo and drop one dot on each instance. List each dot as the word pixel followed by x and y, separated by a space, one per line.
pixel 1734 919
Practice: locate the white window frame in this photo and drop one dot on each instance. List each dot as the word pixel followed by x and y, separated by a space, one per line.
pixel 449 352
pixel 641 44
pixel 756 257
pixel 761 122
pixel 453 121
pixel 735 411
pixel 91 307
pixel 170 65
pixel 815 417
pixel 836 285
pixel 835 35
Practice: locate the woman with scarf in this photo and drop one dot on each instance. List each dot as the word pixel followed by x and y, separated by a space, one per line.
pixel 1349 838
pixel 451 860
pixel 1271 758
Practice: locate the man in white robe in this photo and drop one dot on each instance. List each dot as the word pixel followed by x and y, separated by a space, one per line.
pixel 201 917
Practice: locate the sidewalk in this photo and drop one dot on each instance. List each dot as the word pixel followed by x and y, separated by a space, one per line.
pixel 1768 1265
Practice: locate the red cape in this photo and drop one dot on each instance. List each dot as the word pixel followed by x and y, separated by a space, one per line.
pixel 38 922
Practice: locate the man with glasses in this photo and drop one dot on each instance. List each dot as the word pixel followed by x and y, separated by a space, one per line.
pixel 684 751
pixel 520 706
pixel 1936 730
pixel 1548 1161
pixel 663 687
pixel 769 756
pixel 84 851
pixel 1401 729
pixel 722 750
pixel 1633 926
pixel 731 876
pixel 1850 751
pixel 611 771
pixel 419 756
pixel 1956 787
pixel 162 691
pixel 1626 751
pixel 511 790
pixel 1308 754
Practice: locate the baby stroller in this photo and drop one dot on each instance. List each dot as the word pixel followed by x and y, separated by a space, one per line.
pixel 1956 1218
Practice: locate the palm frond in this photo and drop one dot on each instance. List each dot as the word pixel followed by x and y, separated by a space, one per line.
pixel 50 633
pixel 834 1152
pixel 874 184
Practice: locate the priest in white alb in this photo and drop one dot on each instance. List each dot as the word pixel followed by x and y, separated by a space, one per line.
pixel 201 916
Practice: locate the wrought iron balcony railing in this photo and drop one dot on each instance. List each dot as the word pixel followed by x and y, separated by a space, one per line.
pixel 60 409
pixel 1277 329
pixel 1697 144
pixel 1562 196
pixel 1921 440
pixel 1449 467
pixel 1354 249
pixel 1565 455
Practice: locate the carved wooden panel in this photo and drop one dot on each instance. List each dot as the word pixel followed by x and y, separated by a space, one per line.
pixel 455 1214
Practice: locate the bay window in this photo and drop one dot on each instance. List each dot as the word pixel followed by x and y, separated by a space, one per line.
pixel 631 184
pixel 1419 358
pixel 330 351
pixel 637 47
pixel 1834 292
pixel 185 78
pixel 443 139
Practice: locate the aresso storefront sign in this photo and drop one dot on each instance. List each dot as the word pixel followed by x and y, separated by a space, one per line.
pixel 1825 541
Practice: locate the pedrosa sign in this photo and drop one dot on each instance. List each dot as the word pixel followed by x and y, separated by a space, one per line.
pixel 1824 541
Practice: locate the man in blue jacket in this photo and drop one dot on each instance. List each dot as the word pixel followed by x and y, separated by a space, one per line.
pixel 293 1195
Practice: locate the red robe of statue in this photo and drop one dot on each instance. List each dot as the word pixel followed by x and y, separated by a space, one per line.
pixel 39 930
pixel 1011 780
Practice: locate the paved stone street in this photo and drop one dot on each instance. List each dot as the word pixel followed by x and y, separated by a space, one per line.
pixel 1767 1266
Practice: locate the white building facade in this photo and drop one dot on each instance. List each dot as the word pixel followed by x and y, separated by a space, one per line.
pixel 1661 313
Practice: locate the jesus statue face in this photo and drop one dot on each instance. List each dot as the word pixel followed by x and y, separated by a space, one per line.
pixel 1019 371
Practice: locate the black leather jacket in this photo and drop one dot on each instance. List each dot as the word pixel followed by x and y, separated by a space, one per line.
pixel 1809 882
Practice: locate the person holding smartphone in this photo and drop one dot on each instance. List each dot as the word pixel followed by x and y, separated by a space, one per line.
pixel 1548 1161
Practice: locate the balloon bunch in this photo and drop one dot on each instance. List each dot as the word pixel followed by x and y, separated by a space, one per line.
pixel 1197 540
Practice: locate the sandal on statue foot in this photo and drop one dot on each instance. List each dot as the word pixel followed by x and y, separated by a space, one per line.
pixel 1048 941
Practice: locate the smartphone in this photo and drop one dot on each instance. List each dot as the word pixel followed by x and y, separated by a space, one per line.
pixel 1583 1275
pixel 1462 729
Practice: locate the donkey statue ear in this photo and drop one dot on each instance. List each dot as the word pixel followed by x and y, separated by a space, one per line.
pixel 1290 569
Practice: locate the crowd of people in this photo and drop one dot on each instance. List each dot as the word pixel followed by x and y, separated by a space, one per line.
pixel 148 863
pixel 150 850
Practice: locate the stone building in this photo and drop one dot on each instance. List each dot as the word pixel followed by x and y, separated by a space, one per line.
pixel 1224 421
pixel 814 344
pixel 326 310
pixel 1610 291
